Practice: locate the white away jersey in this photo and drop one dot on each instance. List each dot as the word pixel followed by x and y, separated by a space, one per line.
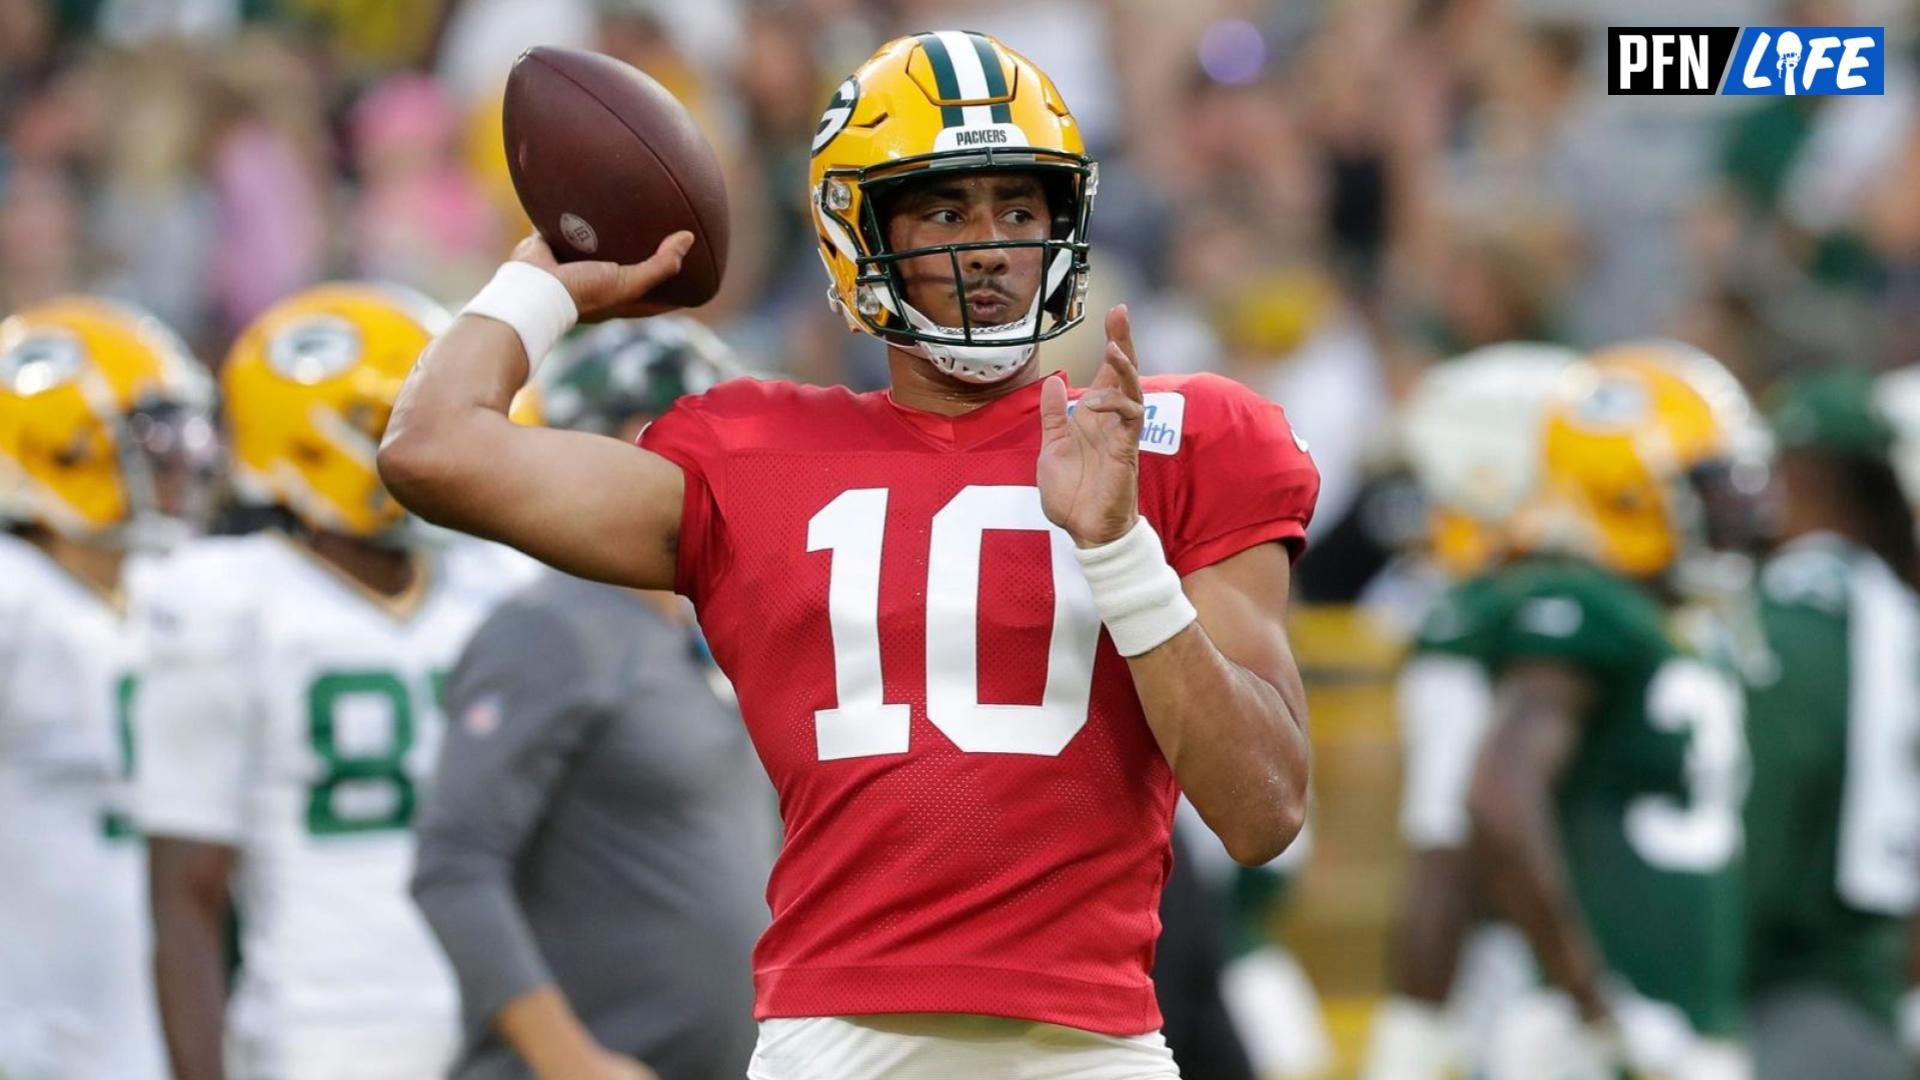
pixel 76 989
pixel 291 714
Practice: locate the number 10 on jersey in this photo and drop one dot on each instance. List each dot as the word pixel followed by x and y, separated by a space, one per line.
pixel 863 724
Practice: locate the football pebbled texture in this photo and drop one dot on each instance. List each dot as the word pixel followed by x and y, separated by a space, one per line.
pixel 607 164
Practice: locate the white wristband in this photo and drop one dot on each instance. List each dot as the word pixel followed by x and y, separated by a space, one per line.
pixel 530 300
pixel 1137 592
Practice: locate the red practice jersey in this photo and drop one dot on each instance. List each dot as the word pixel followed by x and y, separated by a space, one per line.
pixel 976 812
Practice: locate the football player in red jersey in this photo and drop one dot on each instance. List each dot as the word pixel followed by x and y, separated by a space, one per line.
pixel 983 627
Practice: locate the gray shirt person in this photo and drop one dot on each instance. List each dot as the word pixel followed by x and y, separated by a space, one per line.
pixel 599 823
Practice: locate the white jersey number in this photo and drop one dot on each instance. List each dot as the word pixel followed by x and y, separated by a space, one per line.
pixel 362 727
pixel 1704 832
pixel 1878 860
pixel 864 724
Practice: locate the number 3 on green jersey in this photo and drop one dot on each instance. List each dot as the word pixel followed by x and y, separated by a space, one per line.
pixel 1701 832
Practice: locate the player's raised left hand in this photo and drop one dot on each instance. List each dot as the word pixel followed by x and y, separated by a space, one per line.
pixel 1089 466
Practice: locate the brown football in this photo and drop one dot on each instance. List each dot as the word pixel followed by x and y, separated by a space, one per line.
pixel 607 164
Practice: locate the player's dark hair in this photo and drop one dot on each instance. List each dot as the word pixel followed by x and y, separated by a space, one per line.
pixel 1871 490
pixel 1860 496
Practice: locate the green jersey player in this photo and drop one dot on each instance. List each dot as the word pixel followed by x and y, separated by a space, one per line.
pixel 1834 813
pixel 1606 802
pixel 1468 434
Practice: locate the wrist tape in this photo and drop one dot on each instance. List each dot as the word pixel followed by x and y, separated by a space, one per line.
pixel 530 300
pixel 1137 592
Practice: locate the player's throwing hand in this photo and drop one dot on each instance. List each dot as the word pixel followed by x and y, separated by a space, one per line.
pixel 604 290
pixel 1089 466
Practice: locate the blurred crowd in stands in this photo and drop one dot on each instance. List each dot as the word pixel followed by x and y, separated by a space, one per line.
pixel 1316 198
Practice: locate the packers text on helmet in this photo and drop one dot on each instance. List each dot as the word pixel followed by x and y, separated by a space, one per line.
pixel 943 103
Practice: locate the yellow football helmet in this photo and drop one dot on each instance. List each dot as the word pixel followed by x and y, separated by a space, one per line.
pixel 308 388
pixel 1744 432
pixel 1649 460
pixel 100 407
pixel 942 102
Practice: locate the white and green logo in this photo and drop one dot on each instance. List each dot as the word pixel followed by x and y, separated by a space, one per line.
pixel 839 111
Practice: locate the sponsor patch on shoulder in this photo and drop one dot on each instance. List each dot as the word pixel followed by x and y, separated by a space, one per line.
pixel 1161 432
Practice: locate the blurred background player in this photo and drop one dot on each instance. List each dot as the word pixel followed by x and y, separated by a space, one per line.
pixel 1897 401
pixel 1187 964
pixel 1834 811
pixel 594 854
pixel 1470 434
pixel 1236 1000
pixel 289 711
pixel 1610 783
pixel 104 431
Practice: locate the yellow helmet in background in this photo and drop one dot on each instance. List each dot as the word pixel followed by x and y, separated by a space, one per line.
pixel 88 388
pixel 1742 434
pixel 1635 456
pixel 308 389
pixel 948 101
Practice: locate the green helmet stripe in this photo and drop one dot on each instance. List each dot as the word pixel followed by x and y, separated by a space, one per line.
pixel 944 78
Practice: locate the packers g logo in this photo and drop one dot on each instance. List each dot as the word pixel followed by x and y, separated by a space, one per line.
pixel 839 111
pixel 40 362
pixel 1614 404
pixel 314 349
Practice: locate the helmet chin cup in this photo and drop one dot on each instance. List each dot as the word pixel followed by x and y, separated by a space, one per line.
pixel 984 360
pixel 981 364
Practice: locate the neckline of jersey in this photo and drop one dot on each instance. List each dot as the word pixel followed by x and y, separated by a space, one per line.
pixel 975 425
pixel 400 608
